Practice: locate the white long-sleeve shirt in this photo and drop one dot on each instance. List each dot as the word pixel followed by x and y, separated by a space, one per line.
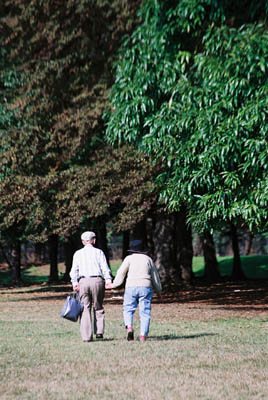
pixel 89 261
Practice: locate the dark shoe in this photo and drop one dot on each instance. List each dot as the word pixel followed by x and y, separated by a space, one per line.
pixel 99 336
pixel 130 334
pixel 86 341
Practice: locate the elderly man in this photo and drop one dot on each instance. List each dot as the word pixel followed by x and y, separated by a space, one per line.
pixel 88 269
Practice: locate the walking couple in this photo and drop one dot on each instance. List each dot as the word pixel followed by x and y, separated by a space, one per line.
pixel 90 275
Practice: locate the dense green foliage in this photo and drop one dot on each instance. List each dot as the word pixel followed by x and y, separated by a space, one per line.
pixel 191 90
pixel 10 81
pixel 60 173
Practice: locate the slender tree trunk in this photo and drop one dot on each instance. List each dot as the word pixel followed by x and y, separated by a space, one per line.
pixel 70 246
pixel 165 250
pixel 13 257
pixel 69 250
pixel 140 232
pixel 248 245
pixel 53 242
pixel 38 253
pixel 211 264
pixel 102 242
pixel 150 227
pixel 198 247
pixel 5 256
pixel 125 244
pixel 184 253
pixel 237 273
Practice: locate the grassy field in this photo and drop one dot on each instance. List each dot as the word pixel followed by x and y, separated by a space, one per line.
pixel 195 351
pixel 208 343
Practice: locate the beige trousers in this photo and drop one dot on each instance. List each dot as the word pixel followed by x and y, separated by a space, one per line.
pixel 92 294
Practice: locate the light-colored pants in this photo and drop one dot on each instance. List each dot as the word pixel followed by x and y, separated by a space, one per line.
pixel 142 296
pixel 92 294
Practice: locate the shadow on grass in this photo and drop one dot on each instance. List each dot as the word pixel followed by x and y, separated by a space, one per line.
pixel 254 267
pixel 99 341
pixel 239 308
pixel 44 289
pixel 40 298
pixel 173 337
pixel 249 293
pixel 30 275
pixel 28 293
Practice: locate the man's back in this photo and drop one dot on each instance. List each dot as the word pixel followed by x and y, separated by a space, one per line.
pixel 89 261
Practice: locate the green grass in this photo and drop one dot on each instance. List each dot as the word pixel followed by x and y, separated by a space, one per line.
pixel 114 266
pixel 201 350
pixel 185 357
pixel 254 267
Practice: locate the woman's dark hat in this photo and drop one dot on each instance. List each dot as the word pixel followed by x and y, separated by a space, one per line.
pixel 136 246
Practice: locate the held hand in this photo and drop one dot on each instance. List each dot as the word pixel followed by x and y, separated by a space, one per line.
pixel 109 286
pixel 76 288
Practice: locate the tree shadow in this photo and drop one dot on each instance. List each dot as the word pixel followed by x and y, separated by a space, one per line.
pixel 39 298
pixel 28 289
pixel 174 337
pixel 250 295
pixel 244 293
pixel 239 308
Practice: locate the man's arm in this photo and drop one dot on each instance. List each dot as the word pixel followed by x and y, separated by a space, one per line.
pixel 74 273
pixel 105 268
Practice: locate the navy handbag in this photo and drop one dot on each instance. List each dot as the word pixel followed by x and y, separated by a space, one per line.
pixel 72 308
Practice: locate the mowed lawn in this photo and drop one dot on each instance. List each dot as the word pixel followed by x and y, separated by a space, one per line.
pixel 204 343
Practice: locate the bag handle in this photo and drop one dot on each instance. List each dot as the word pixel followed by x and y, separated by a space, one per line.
pixel 75 294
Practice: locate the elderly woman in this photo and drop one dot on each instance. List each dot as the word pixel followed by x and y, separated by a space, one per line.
pixel 142 278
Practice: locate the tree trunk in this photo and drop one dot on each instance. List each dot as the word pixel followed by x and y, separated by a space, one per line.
pixel 53 242
pixel 248 244
pixel 5 256
pixel 140 232
pixel 69 250
pixel 198 247
pixel 211 264
pixel 15 262
pixel 125 244
pixel 237 273
pixel 165 250
pixel 184 251
pixel 38 253
pixel 101 241
pixel 13 258
pixel 150 228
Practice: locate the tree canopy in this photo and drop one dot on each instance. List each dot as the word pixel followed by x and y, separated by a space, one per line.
pixel 191 90
pixel 60 172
